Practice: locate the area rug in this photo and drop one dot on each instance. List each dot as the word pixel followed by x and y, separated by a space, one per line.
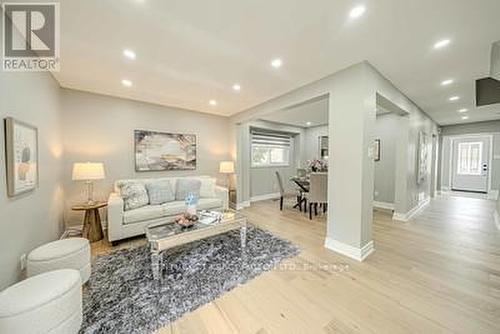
pixel 121 296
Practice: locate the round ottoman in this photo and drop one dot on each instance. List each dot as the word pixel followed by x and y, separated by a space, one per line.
pixel 46 303
pixel 71 253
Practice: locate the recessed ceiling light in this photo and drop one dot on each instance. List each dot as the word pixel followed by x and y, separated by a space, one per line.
pixel 465 117
pixel 276 63
pixel 129 54
pixel 308 123
pixel 442 43
pixel 446 82
pixel 212 102
pixel 357 12
pixel 127 83
pixel 236 87
pixel 454 98
pixel 463 110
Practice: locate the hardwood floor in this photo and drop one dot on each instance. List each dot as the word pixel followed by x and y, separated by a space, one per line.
pixel 437 274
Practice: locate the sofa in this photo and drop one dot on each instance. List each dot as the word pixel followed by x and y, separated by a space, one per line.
pixel 128 216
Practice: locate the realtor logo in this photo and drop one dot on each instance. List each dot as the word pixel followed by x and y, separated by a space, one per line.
pixel 30 37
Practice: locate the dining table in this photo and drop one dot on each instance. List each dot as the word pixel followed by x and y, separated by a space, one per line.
pixel 303 187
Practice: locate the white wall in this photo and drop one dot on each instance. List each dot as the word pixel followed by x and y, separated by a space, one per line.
pixel 101 128
pixel 387 131
pixel 34 218
pixel 311 143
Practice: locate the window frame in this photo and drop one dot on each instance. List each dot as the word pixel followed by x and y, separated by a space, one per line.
pixel 468 147
pixel 287 148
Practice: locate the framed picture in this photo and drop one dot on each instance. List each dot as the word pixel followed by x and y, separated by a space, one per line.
pixel 21 151
pixel 160 151
pixel 422 157
pixel 376 150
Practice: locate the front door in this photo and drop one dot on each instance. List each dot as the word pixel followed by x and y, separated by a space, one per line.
pixel 470 160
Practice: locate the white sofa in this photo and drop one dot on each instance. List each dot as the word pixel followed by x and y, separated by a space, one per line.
pixel 125 224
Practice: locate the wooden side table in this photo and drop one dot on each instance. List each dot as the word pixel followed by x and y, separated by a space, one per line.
pixel 92 228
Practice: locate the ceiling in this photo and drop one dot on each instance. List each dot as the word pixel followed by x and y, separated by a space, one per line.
pixel 308 114
pixel 190 52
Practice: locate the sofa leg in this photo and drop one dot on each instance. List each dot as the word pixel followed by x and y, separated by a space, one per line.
pixel 114 243
pixel 310 211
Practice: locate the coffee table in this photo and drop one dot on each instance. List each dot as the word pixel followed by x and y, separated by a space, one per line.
pixel 168 235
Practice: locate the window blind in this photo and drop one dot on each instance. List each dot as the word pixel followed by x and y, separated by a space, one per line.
pixel 270 139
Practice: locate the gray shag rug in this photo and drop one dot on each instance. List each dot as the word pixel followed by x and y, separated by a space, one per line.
pixel 121 296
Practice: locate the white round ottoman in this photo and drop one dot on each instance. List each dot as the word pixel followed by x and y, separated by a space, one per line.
pixel 46 303
pixel 71 253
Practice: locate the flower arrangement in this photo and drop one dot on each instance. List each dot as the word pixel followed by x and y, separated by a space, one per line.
pixel 317 165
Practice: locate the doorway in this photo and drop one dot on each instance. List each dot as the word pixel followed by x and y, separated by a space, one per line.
pixel 470 164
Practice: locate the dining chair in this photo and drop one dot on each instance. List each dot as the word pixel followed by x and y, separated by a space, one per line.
pixel 318 192
pixel 281 189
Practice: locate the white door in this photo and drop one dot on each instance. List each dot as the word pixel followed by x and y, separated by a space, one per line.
pixel 470 160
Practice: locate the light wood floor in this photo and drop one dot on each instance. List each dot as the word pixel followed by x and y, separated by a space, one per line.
pixel 437 274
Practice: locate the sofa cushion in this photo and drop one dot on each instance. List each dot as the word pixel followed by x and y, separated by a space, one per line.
pixel 160 192
pixel 209 203
pixel 186 186
pixel 144 213
pixel 207 189
pixel 174 208
pixel 134 195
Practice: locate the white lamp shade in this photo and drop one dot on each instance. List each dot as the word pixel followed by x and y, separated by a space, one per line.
pixel 86 171
pixel 226 167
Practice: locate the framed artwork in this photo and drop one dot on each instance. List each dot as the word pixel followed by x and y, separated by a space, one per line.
pixel 21 153
pixel 422 157
pixel 376 150
pixel 160 151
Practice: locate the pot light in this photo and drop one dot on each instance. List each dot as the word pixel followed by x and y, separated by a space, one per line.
pixel 357 12
pixel 277 63
pixel 212 102
pixel 442 43
pixel 308 123
pixel 126 83
pixel 236 87
pixel 129 54
pixel 465 117
pixel 446 82
pixel 463 110
pixel 454 98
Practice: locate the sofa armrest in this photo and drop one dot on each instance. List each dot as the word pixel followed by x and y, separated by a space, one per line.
pixel 115 216
pixel 223 194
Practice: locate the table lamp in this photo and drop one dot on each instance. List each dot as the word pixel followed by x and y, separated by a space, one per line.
pixel 88 172
pixel 226 167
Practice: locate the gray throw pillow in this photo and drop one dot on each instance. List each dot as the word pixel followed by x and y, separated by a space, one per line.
pixel 134 195
pixel 185 187
pixel 160 192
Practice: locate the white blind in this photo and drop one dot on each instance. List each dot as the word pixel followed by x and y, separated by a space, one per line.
pixel 270 139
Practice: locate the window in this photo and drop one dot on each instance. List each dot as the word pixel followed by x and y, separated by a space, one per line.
pixel 469 158
pixel 270 149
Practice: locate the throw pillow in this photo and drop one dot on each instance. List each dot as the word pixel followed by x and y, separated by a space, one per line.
pixel 134 195
pixel 207 189
pixel 160 192
pixel 185 186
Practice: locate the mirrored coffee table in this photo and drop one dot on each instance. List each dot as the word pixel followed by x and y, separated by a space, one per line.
pixel 169 235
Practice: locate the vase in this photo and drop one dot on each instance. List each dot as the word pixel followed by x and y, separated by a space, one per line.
pixel 191 209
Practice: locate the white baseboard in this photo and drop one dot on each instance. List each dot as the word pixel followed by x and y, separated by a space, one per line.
pixel 358 254
pixel 404 217
pixel 497 218
pixel 493 194
pixel 265 197
pixel 242 205
pixel 383 205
